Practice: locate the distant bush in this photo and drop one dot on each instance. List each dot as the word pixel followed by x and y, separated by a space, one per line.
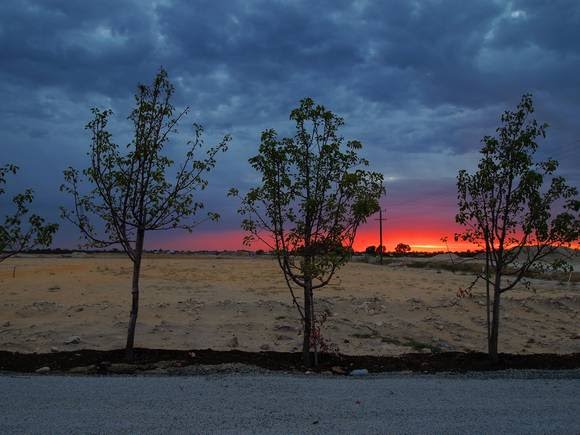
pixel 402 249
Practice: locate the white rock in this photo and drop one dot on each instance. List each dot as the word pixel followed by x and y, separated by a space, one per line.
pixel 75 339
pixel 43 370
pixel 83 370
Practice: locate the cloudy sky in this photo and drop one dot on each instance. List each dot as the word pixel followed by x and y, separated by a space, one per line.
pixel 418 82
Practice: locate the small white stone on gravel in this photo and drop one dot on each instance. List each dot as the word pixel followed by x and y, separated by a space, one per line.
pixel 43 370
pixel 83 370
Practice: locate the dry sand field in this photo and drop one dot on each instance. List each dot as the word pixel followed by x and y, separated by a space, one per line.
pixel 227 302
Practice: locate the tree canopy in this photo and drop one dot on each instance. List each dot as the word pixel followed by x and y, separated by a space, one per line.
pixel 314 194
pixel 22 230
pixel 137 189
pixel 518 210
pixel 402 248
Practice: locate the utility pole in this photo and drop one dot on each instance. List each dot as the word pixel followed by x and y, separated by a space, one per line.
pixel 380 219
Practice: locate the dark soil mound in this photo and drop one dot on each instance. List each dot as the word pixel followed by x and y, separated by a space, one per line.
pixel 104 362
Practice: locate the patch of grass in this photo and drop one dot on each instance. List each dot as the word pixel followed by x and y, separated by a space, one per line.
pixel 366 335
pixel 392 340
pixel 412 343
pixel 419 346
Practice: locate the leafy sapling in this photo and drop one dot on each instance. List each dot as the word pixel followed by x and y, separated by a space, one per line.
pixel 314 194
pixel 132 192
pixel 517 210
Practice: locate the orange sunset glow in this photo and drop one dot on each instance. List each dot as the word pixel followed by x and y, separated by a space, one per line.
pixel 411 230
pixel 420 240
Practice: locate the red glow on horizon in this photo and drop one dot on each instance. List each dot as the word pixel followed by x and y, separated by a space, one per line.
pixel 427 240
pixel 422 231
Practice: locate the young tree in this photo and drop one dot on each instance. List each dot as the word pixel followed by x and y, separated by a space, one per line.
pixel 519 211
pixel 22 230
pixel 314 195
pixel 131 193
pixel 402 249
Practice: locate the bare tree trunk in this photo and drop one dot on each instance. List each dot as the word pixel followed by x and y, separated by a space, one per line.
pixel 134 295
pixel 308 312
pixel 487 295
pixel 313 323
pixel 493 338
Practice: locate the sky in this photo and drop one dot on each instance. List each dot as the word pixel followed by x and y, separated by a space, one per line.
pixel 419 83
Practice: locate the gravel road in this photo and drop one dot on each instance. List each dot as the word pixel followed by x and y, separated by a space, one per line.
pixel 515 402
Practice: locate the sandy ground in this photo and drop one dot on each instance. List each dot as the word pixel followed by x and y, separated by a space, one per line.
pixel 235 302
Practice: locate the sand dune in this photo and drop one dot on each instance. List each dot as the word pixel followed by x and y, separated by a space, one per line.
pixel 223 303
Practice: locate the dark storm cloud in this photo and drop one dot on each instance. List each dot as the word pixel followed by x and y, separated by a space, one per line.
pixel 419 82
pixel 81 47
